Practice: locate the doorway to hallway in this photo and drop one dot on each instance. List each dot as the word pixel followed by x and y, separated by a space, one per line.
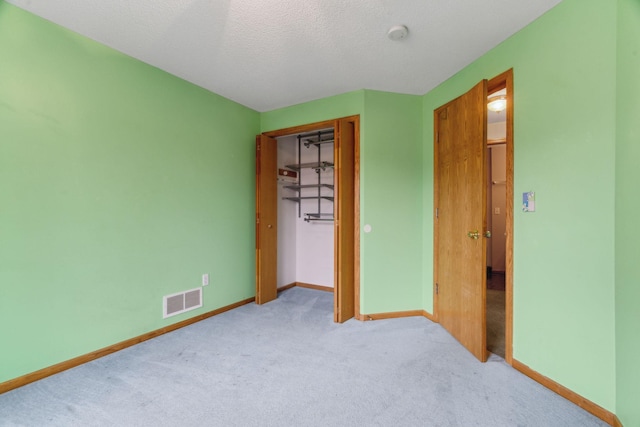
pixel 461 223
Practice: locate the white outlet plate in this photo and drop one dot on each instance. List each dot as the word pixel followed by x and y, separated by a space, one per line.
pixel 205 279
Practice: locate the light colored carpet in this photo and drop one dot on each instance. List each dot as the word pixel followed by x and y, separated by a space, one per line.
pixel 287 364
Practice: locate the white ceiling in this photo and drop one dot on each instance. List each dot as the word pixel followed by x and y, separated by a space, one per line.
pixel 267 54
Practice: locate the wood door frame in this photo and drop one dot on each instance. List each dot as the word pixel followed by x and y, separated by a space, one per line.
pixel 505 81
pixel 311 127
pixel 501 81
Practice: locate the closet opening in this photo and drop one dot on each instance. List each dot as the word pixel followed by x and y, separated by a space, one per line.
pixel 307 212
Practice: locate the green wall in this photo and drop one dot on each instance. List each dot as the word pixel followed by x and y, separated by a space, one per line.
pixel 118 184
pixel 333 107
pixel 564 99
pixel 627 212
pixel 391 203
pixel 390 197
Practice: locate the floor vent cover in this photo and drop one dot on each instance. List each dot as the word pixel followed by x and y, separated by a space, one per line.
pixel 181 302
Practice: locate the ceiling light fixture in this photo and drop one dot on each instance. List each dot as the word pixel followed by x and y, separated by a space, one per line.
pixel 497 103
pixel 397 32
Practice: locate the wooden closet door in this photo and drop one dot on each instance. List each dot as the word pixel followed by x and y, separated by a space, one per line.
pixel 266 219
pixel 344 217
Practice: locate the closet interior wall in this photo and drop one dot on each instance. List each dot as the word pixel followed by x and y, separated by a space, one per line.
pixel 305 247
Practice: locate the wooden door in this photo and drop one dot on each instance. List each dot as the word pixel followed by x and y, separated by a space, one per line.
pixel 344 220
pixel 460 224
pixel 266 219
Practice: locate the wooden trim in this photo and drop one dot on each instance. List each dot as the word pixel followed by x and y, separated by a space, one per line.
pixel 505 81
pixel 436 200
pixel 356 218
pixel 316 287
pixel 309 127
pixel 509 221
pixel 429 316
pixel 594 409
pixel 285 287
pixel 393 315
pixel 616 421
pixel 499 82
pixel 496 141
pixel 397 314
pixel 76 361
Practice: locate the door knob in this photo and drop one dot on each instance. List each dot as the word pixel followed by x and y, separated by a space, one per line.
pixel 475 235
pixel 487 234
pixel 269 226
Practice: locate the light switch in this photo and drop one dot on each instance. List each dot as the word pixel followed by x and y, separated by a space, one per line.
pixel 529 201
pixel 496 211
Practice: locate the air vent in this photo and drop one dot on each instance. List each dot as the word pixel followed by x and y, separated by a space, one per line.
pixel 181 302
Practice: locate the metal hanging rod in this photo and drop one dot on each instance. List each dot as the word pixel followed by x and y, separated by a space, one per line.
pixel 315 138
pixel 316 133
pixel 318 217
pixel 322 141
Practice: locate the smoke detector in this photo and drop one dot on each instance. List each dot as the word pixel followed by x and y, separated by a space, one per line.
pixel 398 32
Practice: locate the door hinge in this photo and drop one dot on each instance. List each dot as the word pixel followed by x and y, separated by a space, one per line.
pixel 437 288
pixel 437 137
pixel 437 213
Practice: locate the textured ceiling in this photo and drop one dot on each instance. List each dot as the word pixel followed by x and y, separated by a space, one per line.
pixel 267 54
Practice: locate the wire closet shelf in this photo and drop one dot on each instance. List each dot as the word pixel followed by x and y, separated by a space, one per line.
pixel 323 189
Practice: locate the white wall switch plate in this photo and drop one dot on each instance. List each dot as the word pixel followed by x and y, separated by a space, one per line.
pixel 529 201
pixel 205 279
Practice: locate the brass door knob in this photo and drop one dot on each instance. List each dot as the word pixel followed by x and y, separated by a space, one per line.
pixel 475 235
